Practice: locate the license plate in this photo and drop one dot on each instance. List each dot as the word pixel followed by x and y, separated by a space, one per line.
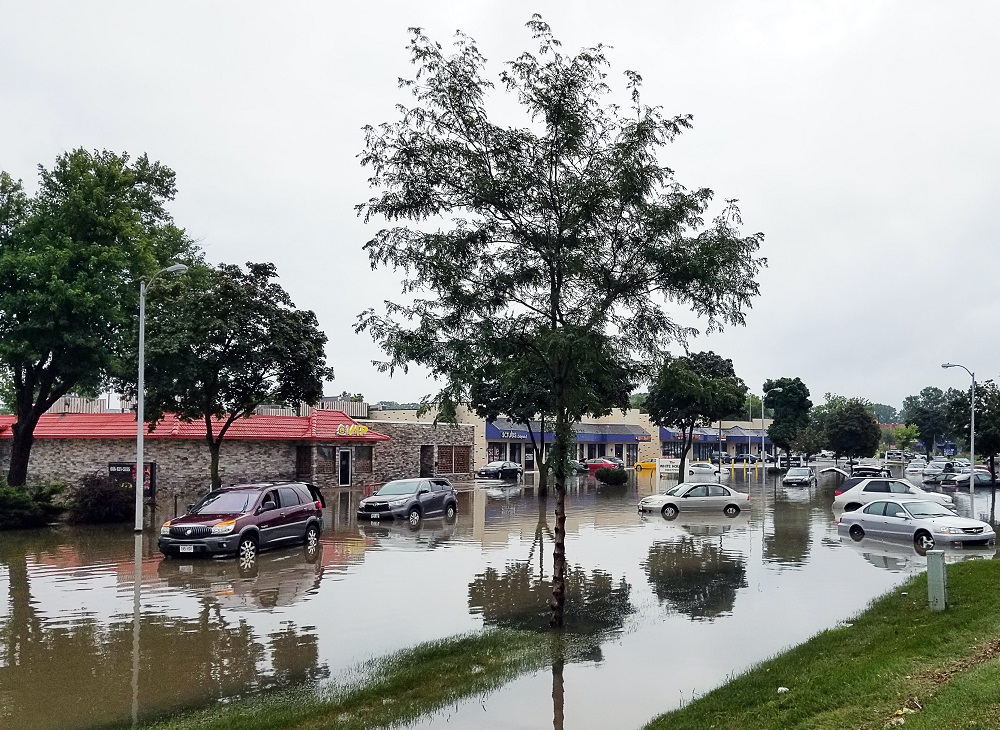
pixel 375 515
pixel 187 548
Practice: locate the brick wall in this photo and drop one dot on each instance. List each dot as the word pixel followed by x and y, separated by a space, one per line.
pixel 399 457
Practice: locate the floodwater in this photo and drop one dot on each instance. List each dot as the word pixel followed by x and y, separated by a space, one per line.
pixel 673 608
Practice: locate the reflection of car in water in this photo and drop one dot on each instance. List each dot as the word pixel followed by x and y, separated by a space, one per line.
pixel 504 492
pixel 904 557
pixel 277 578
pixel 707 524
pixel 400 536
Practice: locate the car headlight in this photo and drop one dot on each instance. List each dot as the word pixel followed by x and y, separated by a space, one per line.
pixel 224 528
pixel 950 530
pixel 165 529
pixel 397 503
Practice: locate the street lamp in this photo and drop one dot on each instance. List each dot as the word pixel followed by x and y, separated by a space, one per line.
pixel 140 471
pixel 767 393
pixel 972 435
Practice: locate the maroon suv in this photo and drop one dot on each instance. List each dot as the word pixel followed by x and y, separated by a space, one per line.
pixel 245 518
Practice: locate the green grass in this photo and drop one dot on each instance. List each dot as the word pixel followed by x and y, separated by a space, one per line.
pixel 385 692
pixel 898 660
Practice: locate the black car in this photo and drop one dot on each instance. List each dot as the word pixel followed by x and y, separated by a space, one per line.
pixel 500 470
pixel 412 500
pixel 244 518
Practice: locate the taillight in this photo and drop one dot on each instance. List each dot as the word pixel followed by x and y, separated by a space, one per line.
pixel 319 505
pixel 838 492
pixel 748 497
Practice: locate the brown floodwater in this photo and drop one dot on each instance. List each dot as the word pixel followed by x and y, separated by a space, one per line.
pixel 673 607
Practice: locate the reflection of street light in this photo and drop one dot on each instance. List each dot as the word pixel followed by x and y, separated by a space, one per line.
pixel 767 393
pixel 140 470
pixel 972 435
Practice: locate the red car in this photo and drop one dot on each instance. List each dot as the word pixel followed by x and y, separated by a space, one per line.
pixel 602 463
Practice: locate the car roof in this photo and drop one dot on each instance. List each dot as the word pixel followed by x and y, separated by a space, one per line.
pixel 260 486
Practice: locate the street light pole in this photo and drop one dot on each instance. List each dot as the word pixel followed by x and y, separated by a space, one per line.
pixel 140 464
pixel 972 436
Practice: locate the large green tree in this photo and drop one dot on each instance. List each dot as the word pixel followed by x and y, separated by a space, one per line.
pixel 852 429
pixel 223 340
pixel 885 414
pixel 791 410
pixel 561 238
pixel 71 256
pixel 694 390
pixel 928 412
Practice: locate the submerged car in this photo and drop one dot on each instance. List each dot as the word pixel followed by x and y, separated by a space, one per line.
pixel 500 470
pixel 867 490
pixel 925 523
pixel 245 518
pixel 412 500
pixel 575 467
pixel 800 475
pixel 603 462
pixel 702 467
pixel 696 496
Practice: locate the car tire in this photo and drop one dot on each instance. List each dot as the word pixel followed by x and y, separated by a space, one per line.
pixel 669 512
pixel 246 552
pixel 857 532
pixel 311 538
pixel 923 541
pixel 731 510
pixel 450 511
pixel 413 517
pixel 852 507
pixel 638 467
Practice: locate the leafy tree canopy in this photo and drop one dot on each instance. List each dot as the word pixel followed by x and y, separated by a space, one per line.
pixel 885 414
pixel 852 429
pixel 71 256
pixel 223 340
pixel 561 241
pixel 927 411
pixel 791 409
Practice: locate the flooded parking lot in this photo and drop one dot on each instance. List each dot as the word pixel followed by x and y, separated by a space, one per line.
pixel 675 606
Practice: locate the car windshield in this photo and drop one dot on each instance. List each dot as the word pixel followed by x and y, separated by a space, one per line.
pixel 226 503
pixel 798 472
pixel 494 465
pixel 674 491
pixel 400 486
pixel 928 509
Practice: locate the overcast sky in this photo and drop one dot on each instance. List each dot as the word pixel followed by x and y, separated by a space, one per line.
pixel 860 138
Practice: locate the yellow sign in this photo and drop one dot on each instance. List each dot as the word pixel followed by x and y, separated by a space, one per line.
pixel 355 429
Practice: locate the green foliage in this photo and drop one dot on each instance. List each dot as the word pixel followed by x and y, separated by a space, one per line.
pixel 905 436
pixel 95 501
pixel 70 259
pixel 885 414
pixel 693 390
pixel 558 240
pixel 791 410
pixel 749 411
pixel 223 340
pixel 615 477
pixel 26 507
pixel 810 440
pixel 928 412
pixel 852 429
pixel 638 401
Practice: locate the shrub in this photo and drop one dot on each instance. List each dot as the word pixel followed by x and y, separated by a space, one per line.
pixel 611 476
pixel 94 501
pixel 26 507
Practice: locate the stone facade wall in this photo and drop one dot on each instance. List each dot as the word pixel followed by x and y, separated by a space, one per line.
pixel 399 458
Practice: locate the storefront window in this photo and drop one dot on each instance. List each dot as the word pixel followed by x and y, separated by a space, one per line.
pixel 496 451
pixel 631 454
pixel 515 453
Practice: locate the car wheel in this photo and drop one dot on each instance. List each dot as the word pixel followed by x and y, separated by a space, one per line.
pixel 924 541
pixel 669 511
pixel 311 540
pixel 731 510
pixel 851 507
pixel 246 553
pixel 638 467
pixel 450 511
pixel 857 532
pixel 413 517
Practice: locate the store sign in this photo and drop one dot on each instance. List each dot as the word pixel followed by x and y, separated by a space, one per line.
pixel 354 429
pixel 643 437
pixel 513 435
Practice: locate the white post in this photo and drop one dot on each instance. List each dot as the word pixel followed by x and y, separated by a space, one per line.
pixel 972 450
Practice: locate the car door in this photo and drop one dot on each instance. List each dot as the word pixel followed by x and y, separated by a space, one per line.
pixel 874 489
pixel 294 514
pixel 270 522
pixel 895 520
pixel 718 497
pixel 696 498
pixel 428 500
pixel 872 518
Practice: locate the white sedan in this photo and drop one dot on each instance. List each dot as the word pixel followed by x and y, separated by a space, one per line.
pixel 696 496
pixel 864 491
pixel 702 467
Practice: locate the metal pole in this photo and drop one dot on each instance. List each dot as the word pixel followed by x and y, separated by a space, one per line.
pixel 972 449
pixel 139 407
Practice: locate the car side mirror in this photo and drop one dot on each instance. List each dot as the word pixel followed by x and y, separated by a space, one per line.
pixel 268 506
pixel 190 507
pixel 423 490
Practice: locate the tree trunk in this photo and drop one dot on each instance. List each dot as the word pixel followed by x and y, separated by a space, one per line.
pixel 558 693
pixel 23 433
pixel 557 603
pixel 213 448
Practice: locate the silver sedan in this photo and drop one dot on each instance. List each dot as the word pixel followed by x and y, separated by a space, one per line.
pixel 696 496
pixel 925 523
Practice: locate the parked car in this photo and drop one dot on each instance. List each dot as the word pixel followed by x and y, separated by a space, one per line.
pixel 916 466
pixel 870 470
pixel 869 490
pixel 500 470
pixel 602 462
pixel 799 475
pixel 696 496
pixel 961 481
pixel 936 467
pixel 701 467
pixel 245 518
pixel 925 523
pixel 412 500
pixel 666 465
pixel 619 461
pixel 575 467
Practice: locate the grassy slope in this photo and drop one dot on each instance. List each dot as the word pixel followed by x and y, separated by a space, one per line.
pixel 390 691
pixel 897 656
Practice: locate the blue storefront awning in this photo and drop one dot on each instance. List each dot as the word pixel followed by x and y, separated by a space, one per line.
pixel 593 433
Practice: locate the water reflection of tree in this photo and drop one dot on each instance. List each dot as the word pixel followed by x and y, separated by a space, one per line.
pixel 695 576
pixel 790 540
pixel 184 662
